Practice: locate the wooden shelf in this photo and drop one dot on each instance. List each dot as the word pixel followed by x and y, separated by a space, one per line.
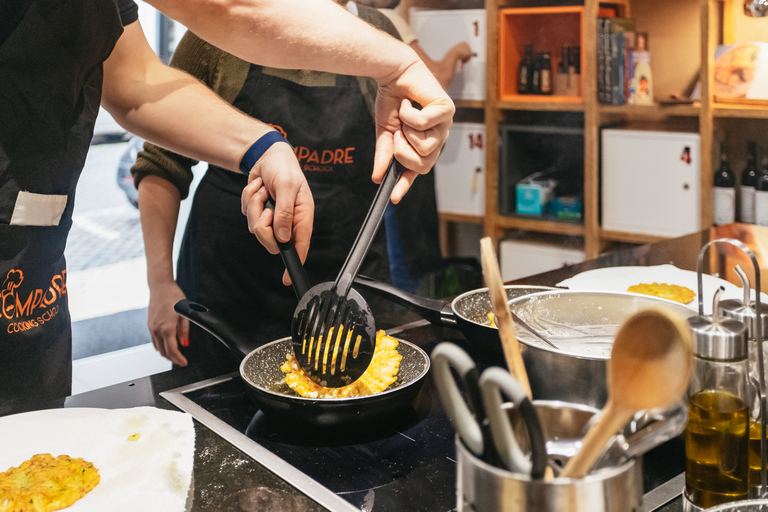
pixel 683 35
pixel 541 106
pixel 740 111
pixel 540 225
pixel 652 110
pixel 620 236
pixel 476 104
pixel 461 217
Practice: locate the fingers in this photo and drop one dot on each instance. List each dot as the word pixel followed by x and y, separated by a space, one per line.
pixel 166 341
pixel 425 131
pixel 259 218
pixel 277 174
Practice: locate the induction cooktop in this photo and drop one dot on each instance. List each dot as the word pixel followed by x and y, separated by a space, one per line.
pixel 406 462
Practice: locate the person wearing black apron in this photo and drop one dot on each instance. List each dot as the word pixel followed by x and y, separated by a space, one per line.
pixel 220 265
pixel 48 109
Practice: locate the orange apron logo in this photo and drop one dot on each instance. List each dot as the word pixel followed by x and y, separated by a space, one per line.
pixel 312 160
pixel 27 309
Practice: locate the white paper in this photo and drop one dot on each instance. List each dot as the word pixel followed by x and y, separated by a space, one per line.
pixel 150 474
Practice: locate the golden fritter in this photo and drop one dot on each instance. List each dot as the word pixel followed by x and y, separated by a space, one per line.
pixel 665 291
pixel 379 375
pixel 44 483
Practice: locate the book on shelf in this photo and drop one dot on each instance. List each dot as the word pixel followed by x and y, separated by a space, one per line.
pixel 610 58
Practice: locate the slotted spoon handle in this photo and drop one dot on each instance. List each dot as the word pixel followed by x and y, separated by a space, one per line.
pixel 291 260
pixel 369 228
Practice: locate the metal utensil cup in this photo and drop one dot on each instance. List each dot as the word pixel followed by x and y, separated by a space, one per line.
pixel 482 487
pixel 759 337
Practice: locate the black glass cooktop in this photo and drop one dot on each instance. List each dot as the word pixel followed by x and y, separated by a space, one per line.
pixel 404 462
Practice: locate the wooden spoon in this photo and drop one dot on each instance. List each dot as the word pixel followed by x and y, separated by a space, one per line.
pixel 650 365
pixel 503 318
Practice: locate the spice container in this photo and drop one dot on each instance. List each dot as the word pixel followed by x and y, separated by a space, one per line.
pixel 717 434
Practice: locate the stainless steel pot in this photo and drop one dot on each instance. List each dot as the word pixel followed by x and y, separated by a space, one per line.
pixel 582 325
pixel 482 487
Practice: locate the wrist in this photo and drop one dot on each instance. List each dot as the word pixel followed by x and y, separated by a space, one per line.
pixel 258 148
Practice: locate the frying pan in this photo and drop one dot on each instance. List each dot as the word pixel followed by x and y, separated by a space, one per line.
pixel 468 312
pixel 260 370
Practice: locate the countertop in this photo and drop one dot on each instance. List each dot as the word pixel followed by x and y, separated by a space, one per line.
pixel 227 479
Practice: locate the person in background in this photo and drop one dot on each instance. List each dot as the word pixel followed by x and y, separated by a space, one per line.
pixel 329 119
pixel 58 62
pixel 414 248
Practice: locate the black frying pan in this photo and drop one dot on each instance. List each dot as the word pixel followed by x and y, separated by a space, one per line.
pixel 468 312
pixel 260 370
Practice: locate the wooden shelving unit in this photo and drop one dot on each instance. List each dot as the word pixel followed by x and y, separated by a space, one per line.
pixel 683 36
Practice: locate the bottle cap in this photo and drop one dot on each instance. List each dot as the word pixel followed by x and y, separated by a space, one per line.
pixel 719 338
pixel 746 314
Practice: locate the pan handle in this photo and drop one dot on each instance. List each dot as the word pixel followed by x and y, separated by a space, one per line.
pixel 437 312
pixel 206 319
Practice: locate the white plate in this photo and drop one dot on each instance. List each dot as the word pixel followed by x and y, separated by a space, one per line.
pixel 618 279
pixel 151 473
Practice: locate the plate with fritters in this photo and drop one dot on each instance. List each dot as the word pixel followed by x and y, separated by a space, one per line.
pixel 131 459
pixel 677 293
pixel 44 483
pixel 620 279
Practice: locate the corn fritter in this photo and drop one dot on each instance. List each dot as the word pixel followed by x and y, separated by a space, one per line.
pixel 380 374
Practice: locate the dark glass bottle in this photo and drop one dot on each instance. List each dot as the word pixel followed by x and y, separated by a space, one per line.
pixel 725 191
pixel 574 64
pixel 536 76
pixel 546 74
pixel 525 72
pixel 747 188
pixel 761 193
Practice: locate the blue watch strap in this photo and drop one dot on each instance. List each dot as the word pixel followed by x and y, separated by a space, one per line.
pixel 258 148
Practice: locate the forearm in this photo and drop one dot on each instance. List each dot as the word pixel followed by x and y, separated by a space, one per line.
pixel 294 34
pixel 159 212
pixel 171 108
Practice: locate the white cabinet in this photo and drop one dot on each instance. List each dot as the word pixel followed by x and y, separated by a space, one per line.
pixel 651 182
pixel 459 172
pixel 439 30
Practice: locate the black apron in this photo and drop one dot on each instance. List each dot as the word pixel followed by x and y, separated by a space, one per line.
pixel 224 267
pixel 50 90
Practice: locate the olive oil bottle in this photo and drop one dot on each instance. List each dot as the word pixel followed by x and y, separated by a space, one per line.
pixel 717 433
pixel 716 448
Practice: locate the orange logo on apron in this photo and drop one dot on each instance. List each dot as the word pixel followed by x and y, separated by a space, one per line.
pixel 28 309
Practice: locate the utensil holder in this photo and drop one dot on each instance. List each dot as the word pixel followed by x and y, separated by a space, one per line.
pixel 759 339
pixel 482 487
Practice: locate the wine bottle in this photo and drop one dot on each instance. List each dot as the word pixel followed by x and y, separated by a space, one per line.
pixel 725 191
pixel 525 72
pixel 546 73
pixel 536 76
pixel 761 193
pixel 747 188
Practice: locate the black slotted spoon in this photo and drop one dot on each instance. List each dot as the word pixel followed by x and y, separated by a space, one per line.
pixel 333 330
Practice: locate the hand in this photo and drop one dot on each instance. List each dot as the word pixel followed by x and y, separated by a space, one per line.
pixel 414 136
pixel 277 174
pixel 461 52
pixel 167 328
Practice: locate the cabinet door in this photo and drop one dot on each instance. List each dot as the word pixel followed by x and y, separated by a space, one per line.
pixel 650 182
pixel 439 30
pixel 459 172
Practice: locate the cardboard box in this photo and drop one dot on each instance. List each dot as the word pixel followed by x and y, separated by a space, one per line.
pixel 528 256
pixel 534 195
